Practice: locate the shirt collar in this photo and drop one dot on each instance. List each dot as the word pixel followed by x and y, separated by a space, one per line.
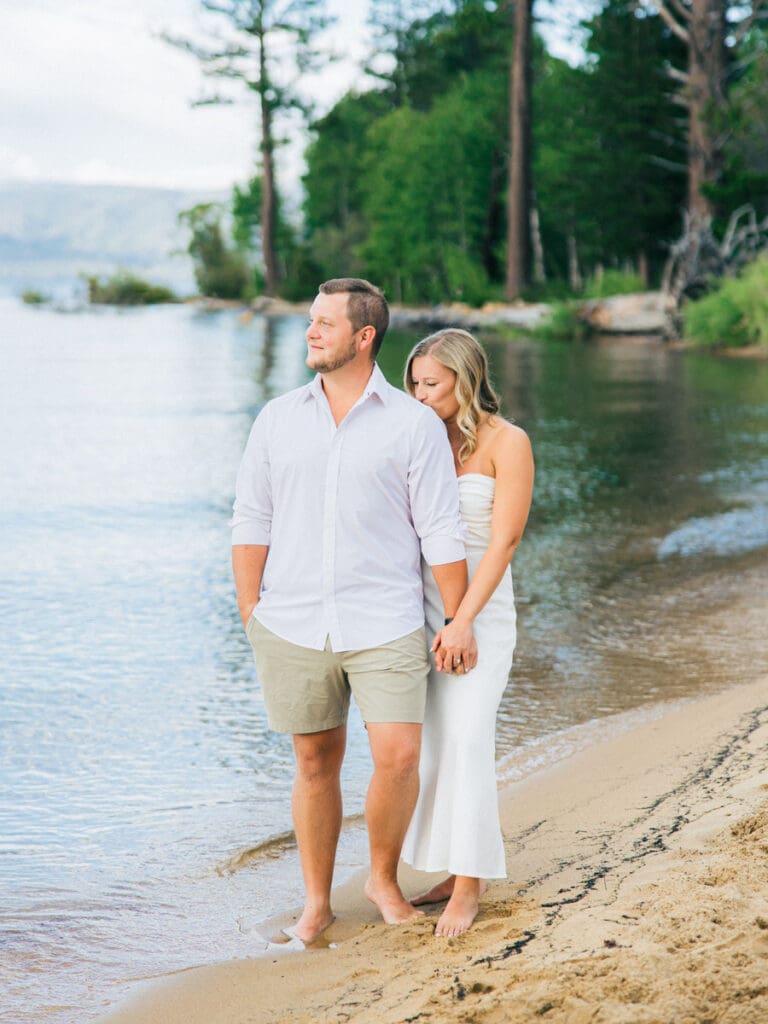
pixel 377 385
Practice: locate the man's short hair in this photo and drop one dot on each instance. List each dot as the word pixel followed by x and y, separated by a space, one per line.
pixel 366 305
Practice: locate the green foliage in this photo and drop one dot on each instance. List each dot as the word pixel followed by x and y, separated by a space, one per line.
pixel 609 148
pixel 734 315
pixel 563 324
pixel 334 184
pixel 125 289
pixel 295 261
pixel 612 282
pixel 406 184
pixel 431 188
pixel 439 48
pixel 745 126
pixel 34 298
pixel 220 272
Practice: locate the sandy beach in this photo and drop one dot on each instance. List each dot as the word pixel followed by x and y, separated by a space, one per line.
pixel 637 894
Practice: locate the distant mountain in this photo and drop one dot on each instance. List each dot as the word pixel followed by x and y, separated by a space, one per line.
pixel 51 233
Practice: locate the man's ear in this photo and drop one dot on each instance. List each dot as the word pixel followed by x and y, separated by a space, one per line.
pixel 367 334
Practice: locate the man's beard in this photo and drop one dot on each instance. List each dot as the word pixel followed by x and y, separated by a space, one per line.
pixel 337 363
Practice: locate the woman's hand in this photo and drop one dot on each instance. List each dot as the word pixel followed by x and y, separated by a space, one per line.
pixel 455 648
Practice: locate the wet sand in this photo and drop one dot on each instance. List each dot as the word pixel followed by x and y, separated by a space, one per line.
pixel 637 894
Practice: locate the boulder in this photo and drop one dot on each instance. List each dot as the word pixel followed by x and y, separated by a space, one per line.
pixel 637 313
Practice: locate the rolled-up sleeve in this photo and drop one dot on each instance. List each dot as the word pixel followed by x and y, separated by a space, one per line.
pixel 251 521
pixel 434 494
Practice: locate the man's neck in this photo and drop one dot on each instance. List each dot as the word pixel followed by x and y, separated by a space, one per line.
pixel 343 387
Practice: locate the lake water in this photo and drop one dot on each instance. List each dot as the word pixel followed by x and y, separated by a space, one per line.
pixel 144 805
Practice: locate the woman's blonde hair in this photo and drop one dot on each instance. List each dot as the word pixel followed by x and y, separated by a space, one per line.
pixel 457 350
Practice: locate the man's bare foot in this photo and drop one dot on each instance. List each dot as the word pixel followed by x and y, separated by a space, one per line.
pixel 393 906
pixel 311 924
pixel 462 908
pixel 442 891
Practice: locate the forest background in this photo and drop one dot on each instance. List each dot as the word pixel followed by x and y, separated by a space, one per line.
pixel 479 167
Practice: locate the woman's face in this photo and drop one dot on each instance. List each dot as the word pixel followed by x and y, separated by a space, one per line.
pixel 433 384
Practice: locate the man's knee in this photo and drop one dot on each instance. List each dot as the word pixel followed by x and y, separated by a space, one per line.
pixel 395 748
pixel 319 755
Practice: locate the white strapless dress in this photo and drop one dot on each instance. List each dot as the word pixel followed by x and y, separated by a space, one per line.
pixel 455 826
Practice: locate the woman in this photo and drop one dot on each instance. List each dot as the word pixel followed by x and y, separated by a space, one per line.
pixel 455 826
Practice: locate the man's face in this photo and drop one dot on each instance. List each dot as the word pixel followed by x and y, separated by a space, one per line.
pixel 331 342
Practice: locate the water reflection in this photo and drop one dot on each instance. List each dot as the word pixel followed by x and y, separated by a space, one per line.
pixel 135 758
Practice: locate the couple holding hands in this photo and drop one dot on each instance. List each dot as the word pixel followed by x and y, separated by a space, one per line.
pixel 372 535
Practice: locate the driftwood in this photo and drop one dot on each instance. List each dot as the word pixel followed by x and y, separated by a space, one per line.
pixel 697 260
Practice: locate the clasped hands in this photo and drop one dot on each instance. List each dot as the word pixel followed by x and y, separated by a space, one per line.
pixel 455 648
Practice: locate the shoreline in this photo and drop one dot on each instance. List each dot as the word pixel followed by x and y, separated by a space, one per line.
pixel 637 873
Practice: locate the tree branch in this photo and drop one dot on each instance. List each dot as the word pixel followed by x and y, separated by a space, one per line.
pixel 670 21
pixel 759 9
pixel 682 10
pixel 677 75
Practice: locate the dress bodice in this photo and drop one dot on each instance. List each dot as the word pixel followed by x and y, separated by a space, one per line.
pixel 476 504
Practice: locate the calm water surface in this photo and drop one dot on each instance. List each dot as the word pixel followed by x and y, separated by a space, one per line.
pixel 144 806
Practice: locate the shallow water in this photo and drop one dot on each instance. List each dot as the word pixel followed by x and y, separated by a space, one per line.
pixel 144 806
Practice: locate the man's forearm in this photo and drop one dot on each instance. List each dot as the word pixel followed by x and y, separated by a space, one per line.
pixel 451 579
pixel 248 562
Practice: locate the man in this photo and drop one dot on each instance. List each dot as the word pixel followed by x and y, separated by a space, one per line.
pixel 344 483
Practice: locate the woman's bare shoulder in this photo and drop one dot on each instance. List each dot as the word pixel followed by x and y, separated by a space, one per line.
pixel 507 436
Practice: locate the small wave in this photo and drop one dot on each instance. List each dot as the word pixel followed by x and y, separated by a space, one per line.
pixel 730 533
pixel 271 848
pixel 268 849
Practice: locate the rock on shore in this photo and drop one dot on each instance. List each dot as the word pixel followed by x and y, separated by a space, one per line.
pixel 637 313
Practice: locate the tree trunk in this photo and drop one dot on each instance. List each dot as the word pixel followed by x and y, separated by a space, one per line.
pixel 539 271
pixel 574 274
pixel 519 186
pixel 706 95
pixel 268 205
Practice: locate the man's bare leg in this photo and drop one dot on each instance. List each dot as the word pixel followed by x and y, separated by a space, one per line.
pixel 389 805
pixel 317 821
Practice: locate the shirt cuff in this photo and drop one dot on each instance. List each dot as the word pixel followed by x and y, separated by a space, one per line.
pixel 441 550
pixel 250 533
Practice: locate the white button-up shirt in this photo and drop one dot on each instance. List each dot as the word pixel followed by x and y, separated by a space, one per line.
pixel 347 512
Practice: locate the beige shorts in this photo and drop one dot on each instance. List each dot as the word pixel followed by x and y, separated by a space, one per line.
pixel 308 691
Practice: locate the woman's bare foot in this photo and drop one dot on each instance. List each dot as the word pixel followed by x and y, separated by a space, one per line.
pixel 462 907
pixel 393 906
pixel 311 924
pixel 442 891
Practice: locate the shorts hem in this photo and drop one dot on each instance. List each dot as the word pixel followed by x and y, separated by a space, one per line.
pixel 304 730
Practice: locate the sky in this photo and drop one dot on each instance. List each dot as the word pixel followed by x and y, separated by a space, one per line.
pixel 91 94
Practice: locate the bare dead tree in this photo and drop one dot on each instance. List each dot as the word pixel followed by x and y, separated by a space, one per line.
pixel 709 34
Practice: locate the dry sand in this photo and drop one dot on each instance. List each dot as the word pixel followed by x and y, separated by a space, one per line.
pixel 637 894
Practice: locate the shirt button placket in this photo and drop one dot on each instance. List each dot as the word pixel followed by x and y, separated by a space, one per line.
pixel 330 611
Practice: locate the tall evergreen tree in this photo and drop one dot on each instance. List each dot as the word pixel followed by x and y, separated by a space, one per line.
pixel 519 194
pixel 252 46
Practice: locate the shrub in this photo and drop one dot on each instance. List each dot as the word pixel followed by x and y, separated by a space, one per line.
pixel 563 324
pixel 734 315
pixel 613 282
pixel 34 298
pixel 127 290
pixel 221 272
